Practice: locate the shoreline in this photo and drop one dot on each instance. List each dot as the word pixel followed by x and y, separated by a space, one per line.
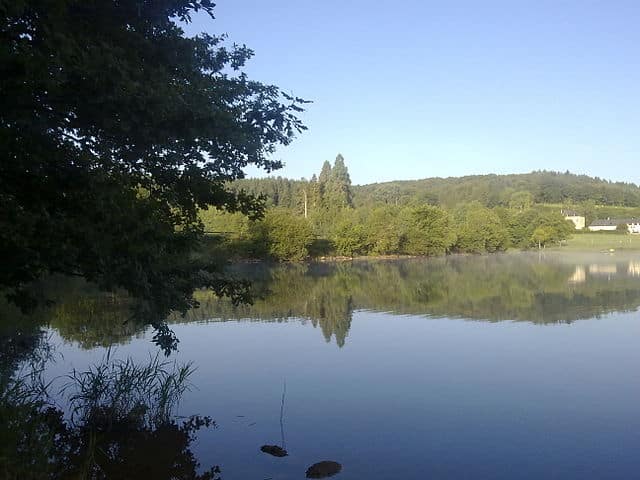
pixel 363 258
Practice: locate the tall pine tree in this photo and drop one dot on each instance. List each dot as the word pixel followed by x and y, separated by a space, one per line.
pixel 337 191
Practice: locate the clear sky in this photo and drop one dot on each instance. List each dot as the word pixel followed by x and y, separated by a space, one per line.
pixel 414 89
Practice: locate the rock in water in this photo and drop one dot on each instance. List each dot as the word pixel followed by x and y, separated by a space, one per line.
pixel 323 469
pixel 274 450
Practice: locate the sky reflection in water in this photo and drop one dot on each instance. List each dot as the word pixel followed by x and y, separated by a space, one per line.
pixel 406 386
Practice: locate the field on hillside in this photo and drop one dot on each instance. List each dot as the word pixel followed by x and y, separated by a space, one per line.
pixel 599 211
pixel 601 241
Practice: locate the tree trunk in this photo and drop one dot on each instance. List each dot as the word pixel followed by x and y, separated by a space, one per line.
pixel 305 203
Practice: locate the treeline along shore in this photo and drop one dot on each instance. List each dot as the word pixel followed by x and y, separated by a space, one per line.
pixel 327 216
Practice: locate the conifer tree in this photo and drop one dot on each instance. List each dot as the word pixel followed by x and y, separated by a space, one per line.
pixel 337 192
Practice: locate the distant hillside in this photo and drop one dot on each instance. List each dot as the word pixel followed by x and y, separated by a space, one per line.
pixel 499 190
pixel 327 215
pixel 540 187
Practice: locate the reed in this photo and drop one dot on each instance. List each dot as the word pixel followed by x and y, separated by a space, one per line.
pixel 116 390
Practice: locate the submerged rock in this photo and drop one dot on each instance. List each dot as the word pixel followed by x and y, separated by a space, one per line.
pixel 323 469
pixel 274 450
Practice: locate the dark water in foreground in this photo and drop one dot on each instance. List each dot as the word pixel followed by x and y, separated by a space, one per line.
pixel 511 366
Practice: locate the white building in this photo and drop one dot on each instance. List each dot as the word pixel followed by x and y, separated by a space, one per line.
pixel 578 220
pixel 610 224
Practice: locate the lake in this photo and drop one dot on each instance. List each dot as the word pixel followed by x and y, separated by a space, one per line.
pixel 495 367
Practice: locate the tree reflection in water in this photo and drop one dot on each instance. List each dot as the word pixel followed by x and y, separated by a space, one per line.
pixel 117 420
pixel 520 287
pixel 517 287
pixel 120 424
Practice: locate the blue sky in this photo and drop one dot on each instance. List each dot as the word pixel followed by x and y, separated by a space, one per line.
pixel 415 89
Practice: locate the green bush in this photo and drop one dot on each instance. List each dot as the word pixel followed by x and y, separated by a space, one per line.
pixel 426 230
pixel 284 235
pixel 350 239
pixel 479 230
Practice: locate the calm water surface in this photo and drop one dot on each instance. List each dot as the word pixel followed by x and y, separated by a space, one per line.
pixel 507 366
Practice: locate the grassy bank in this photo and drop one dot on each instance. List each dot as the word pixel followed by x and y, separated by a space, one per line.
pixel 597 242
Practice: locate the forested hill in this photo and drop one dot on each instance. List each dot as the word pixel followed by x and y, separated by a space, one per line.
pixel 501 190
pixel 490 190
pixel 327 215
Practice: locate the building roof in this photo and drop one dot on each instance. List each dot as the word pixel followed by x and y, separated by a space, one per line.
pixel 612 222
pixel 570 213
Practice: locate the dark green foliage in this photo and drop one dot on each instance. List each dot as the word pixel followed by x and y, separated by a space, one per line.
pixel 521 200
pixel 115 129
pixel 313 191
pixel 489 287
pixel 426 230
pixel 494 287
pixel 330 191
pixel 542 235
pixel 325 173
pixel 384 230
pixel 336 190
pixel 284 235
pixel 479 230
pixel 281 235
pixel 622 228
pixel 559 228
pixel 551 226
pixel 518 191
pixel 485 213
pixel 412 228
pixel 122 425
pixel 350 239
pixel 520 226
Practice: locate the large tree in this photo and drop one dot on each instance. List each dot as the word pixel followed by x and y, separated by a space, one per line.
pixel 115 129
pixel 338 190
